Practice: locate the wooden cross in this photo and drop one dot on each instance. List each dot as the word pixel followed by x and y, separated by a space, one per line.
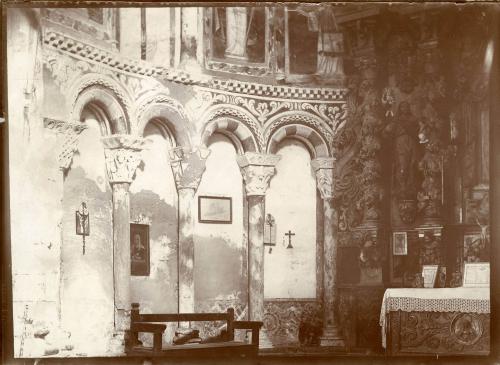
pixel 289 234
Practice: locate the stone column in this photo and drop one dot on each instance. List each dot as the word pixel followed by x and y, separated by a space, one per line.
pixel 323 170
pixel 122 153
pixel 188 168
pixel 236 33
pixel 257 169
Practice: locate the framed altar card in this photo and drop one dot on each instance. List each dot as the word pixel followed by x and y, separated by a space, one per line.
pixel 429 274
pixel 476 275
pixel 399 244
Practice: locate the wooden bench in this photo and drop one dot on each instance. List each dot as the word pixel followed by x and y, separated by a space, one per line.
pixel 155 324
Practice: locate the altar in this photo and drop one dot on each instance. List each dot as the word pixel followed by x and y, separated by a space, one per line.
pixel 441 321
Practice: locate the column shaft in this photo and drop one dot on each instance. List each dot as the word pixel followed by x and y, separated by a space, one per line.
pixel 121 252
pixel 256 257
pixel 329 263
pixel 186 250
pixel 323 169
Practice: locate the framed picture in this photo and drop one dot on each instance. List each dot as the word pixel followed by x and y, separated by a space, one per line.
pixel 399 244
pixel 476 275
pixel 214 209
pixel 429 274
pixel 139 249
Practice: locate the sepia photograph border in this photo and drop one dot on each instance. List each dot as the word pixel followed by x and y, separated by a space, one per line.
pixel 7 356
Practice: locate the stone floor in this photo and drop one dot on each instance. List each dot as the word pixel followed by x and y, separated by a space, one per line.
pixel 346 359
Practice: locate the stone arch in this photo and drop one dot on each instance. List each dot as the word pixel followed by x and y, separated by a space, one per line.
pixel 308 129
pixel 168 114
pixel 235 123
pixel 107 99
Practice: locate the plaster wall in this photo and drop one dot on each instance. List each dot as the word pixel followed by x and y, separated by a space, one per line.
pixel 87 298
pixel 291 199
pixel 153 201
pixel 220 249
pixel 35 191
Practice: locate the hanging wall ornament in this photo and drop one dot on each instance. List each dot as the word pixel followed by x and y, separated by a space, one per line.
pixel 82 223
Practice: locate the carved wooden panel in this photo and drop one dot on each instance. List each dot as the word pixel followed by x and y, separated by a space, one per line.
pixel 439 333
pixel 282 319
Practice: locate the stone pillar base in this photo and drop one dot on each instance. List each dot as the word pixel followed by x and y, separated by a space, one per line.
pixel 332 337
pixel 116 345
pixel 235 56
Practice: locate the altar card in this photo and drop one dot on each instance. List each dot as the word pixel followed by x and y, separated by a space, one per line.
pixel 476 275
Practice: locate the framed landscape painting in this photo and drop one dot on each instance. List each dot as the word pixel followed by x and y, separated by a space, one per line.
pixel 214 209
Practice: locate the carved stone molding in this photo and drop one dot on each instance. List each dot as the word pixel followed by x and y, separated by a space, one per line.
pixel 123 156
pixel 188 166
pixel 257 169
pixel 68 44
pixel 68 72
pixel 323 170
pixel 63 42
pixel 162 98
pixel 333 113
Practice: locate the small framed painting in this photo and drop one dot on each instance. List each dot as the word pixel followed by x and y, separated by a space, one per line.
pixel 476 275
pixel 429 274
pixel 139 249
pixel 399 244
pixel 214 209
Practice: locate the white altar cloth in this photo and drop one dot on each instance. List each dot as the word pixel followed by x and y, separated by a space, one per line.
pixel 465 300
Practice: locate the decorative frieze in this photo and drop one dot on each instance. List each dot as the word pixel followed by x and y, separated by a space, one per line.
pixel 123 156
pixel 333 113
pixel 68 72
pixel 119 63
pixel 80 49
pixel 257 169
pixel 188 167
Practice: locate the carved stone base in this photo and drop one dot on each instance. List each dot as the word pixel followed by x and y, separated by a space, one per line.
pixel 332 337
pixel 235 56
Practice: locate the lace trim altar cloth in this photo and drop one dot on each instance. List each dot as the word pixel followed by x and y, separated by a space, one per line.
pixel 465 300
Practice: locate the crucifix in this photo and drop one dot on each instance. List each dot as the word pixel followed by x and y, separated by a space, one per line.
pixel 289 234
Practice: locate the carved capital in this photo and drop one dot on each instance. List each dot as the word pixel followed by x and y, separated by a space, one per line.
pixel 188 166
pixel 68 133
pixel 257 169
pixel 123 156
pixel 323 169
